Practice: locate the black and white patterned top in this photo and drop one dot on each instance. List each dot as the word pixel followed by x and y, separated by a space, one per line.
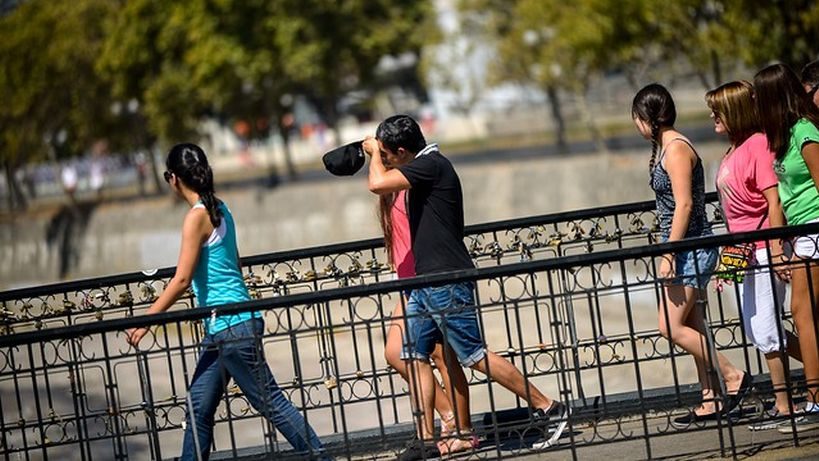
pixel 661 183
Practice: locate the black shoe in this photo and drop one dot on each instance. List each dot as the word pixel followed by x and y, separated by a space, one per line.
pixel 418 449
pixel 690 418
pixel 733 400
pixel 556 418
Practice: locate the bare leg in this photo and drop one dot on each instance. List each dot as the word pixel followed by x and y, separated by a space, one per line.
pixel 508 376
pixel 422 395
pixel 456 386
pixel 684 324
pixel 777 368
pixel 392 353
pixel 804 301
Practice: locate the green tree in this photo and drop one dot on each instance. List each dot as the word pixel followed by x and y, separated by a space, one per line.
pixel 557 45
pixel 238 60
pixel 333 47
pixel 54 103
pixel 714 38
pixel 764 31
pixel 143 58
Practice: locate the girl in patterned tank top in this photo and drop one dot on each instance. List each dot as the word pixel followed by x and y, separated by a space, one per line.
pixel 676 176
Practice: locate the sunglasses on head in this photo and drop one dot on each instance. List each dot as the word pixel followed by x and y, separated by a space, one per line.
pixel 167 176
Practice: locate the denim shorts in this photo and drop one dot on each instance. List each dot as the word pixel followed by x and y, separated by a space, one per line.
pixel 445 313
pixel 695 267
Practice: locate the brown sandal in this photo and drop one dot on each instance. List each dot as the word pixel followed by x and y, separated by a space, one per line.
pixel 458 442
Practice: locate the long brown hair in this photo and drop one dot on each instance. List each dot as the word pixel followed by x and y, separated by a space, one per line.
pixel 733 103
pixel 781 101
pixel 385 204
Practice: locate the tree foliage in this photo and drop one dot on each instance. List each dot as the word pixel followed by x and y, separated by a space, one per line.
pixel 567 45
pixel 65 64
pixel 48 82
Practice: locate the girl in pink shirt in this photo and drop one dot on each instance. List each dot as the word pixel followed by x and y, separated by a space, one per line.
pixel 747 186
pixel 394 220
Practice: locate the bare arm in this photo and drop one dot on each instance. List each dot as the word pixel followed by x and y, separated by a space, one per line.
pixel 382 181
pixel 680 161
pixel 777 219
pixel 194 232
pixel 775 215
pixel 810 152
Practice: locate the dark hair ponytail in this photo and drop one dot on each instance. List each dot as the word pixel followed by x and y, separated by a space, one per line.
pixel 189 163
pixel 653 105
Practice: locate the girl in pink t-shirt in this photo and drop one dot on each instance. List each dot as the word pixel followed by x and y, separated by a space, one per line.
pixel 747 186
pixel 398 241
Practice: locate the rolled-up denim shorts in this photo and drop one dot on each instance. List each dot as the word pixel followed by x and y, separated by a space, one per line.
pixel 694 268
pixel 445 313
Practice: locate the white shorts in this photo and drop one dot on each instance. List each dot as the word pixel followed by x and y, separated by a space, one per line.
pixel 807 246
pixel 761 305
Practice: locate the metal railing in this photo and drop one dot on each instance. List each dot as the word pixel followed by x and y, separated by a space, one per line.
pixel 338 265
pixel 570 299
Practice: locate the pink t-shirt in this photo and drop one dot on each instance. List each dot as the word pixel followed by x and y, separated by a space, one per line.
pixel 401 240
pixel 742 176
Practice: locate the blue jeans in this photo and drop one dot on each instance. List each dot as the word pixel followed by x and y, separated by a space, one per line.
pixel 445 313
pixel 236 353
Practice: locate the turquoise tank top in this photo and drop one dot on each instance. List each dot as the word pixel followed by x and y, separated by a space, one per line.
pixel 217 279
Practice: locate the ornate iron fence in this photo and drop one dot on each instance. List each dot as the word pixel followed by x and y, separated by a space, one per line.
pixel 339 265
pixel 570 299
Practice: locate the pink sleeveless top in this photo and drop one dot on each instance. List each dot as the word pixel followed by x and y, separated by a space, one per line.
pixel 401 240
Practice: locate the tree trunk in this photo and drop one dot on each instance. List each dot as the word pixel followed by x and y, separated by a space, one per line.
pixel 703 80
pixel 336 130
pixel 10 194
pixel 16 198
pixel 557 116
pixel 588 119
pixel 331 113
pixel 284 131
pixel 716 68
pixel 154 170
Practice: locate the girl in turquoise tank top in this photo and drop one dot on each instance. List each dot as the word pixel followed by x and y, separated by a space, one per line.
pixel 209 262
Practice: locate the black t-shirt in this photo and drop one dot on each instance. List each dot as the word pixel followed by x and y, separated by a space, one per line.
pixel 436 214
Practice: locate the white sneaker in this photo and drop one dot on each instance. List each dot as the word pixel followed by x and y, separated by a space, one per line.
pixel 806 422
pixel 557 417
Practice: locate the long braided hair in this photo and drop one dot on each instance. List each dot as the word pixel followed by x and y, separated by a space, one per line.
pixel 190 164
pixel 654 106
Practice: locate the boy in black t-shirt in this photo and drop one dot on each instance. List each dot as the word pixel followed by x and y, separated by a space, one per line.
pixel 436 216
